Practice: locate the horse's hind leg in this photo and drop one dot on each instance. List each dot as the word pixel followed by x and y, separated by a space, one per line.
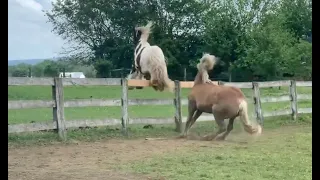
pixel 219 119
pixel 223 135
pixel 189 119
pixel 221 128
pixel 191 111
pixel 196 115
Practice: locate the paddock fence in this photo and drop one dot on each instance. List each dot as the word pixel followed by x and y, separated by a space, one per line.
pixel 58 103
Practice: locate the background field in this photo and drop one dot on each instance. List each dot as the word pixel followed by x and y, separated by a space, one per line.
pixel 104 92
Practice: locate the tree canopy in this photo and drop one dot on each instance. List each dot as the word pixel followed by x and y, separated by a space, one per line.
pixel 265 38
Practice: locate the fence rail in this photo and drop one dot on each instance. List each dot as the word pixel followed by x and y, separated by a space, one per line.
pixel 29 104
pixel 58 104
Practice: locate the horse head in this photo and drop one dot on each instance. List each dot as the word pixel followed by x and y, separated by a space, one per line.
pixel 142 32
pixel 207 62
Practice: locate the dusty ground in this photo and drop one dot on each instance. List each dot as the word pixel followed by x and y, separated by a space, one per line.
pixel 96 160
pixel 85 160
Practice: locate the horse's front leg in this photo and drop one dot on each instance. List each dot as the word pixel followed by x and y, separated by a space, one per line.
pixel 141 77
pixel 134 74
pixel 131 76
pixel 153 83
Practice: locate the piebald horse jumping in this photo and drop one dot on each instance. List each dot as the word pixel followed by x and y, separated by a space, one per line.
pixel 149 62
pixel 224 102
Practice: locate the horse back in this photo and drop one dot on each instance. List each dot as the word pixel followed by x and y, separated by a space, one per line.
pixel 214 94
pixel 152 56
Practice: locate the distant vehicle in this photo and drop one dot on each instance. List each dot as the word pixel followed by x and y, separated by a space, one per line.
pixel 72 75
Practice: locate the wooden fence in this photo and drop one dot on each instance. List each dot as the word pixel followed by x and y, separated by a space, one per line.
pixel 58 104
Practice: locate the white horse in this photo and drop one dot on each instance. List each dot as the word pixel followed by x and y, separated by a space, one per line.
pixel 149 61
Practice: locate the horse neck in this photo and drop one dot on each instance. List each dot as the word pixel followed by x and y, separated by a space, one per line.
pixel 198 78
pixel 144 38
pixel 142 44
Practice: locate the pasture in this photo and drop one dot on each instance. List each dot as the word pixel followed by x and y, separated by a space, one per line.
pixel 282 152
pixel 114 92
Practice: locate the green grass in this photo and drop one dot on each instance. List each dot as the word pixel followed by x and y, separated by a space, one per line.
pixel 45 114
pixel 114 92
pixel 284 152
pixel 97 92
pixel 137 131
pixel 278 157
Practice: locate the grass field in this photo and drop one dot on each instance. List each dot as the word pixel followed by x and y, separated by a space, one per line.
pixel 103 92
pixel 280 155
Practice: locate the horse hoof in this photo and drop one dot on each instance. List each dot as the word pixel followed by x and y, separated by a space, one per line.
pixel 182 136
pixel 207 138
pixel 259 130
pixel 219 139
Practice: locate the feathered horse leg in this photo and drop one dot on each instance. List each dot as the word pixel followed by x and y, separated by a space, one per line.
pixel 135 74
pixel 140 76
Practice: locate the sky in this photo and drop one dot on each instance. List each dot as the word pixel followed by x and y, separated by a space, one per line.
pixel 29 33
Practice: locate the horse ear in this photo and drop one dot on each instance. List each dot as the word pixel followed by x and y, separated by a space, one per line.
pixel 136 34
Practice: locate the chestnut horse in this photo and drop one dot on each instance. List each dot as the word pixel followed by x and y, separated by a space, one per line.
pixel 224 102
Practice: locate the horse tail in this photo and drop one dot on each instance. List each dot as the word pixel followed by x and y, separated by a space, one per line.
pixel 158 70
pixel 248 127
pixel 160 79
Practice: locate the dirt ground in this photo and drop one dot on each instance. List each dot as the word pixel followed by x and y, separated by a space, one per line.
pixel 94 160
pixel 85 160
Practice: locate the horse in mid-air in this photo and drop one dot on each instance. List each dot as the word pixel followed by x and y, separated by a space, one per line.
pixel 224 102
pixel 149 62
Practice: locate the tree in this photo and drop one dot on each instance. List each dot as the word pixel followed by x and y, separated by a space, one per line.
pixel 103 68
pixel 20 70
pixel 96 29
pixel 100 28
pixel 50 68
pixel 252 37
pixel 299 61
pixel 298 17
pixel 228 29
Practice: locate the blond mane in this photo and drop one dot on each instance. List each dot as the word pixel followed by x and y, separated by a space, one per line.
pixel 145 31
pixel 206 64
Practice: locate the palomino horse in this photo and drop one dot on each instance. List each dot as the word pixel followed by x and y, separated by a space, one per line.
pixel 224 102
pixel 150 61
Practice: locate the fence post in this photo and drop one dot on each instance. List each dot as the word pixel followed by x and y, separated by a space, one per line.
pixel 58 110
pixel 257 102
pixel 293 99
pixel 124 106
pixel 177 104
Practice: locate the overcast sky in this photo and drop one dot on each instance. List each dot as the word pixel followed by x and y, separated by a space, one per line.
pixel 29 34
